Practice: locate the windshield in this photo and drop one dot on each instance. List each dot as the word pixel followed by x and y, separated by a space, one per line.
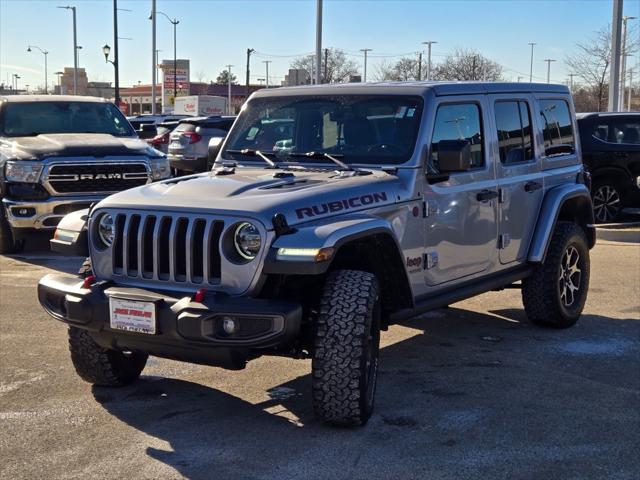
pixel 33 118
pixel 363 129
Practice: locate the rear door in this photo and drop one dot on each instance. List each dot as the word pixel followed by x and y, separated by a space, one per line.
pixel 520 182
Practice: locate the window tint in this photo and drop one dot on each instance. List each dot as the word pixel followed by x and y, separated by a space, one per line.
pixel 514 131
pixel 458 122
pixel 558 132
pixel 618 132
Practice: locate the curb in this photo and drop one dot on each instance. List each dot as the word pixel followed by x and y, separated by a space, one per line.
pixel 620 232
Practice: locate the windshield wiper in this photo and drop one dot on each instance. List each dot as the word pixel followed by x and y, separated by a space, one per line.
pixel 333 158
pixel 255 153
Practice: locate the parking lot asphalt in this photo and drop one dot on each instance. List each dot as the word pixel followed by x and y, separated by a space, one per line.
pixel 472 391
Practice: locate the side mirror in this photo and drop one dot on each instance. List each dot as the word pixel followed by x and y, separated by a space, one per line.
pixel 454 156
pixel 215 144
pixel 147 130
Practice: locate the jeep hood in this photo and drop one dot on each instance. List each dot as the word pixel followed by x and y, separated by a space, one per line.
pixel 261 193
pixel 75 145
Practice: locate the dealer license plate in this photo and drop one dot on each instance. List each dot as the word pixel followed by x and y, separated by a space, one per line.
pixel 132 315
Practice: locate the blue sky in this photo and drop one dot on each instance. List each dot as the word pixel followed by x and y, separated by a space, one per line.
pixel 215 33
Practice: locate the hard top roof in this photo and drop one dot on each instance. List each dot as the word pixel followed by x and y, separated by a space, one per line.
pixel 415 88
pixel 50 98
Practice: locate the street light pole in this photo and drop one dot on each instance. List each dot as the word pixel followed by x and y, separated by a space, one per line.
pixel 318 41
pixel 45 52
pixel 175 23
pixel 428 44
pixel 154 58
pixel 365 51
pixel 266 63
pixel 623 60
pixel 614 75
pixel 75 49
pixel 229 88
pixel 549 60
pixel 531 63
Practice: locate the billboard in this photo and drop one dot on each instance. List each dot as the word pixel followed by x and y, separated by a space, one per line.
pixel 169 87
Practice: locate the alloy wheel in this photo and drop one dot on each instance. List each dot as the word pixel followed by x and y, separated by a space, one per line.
pixel 570 276
pixel 606 203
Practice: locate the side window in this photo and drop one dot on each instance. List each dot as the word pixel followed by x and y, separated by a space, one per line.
pixel 626 132
pixel 458 122
pixel 557 129
pixel 513 121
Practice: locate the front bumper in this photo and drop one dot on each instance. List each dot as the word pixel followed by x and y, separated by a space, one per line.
pixel 185 330
pixel 45 214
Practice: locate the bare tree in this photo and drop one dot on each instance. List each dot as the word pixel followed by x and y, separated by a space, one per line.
pixel 200 76
pixel 336 69
pixel 467 64
pixel 404 70
pixel 591 64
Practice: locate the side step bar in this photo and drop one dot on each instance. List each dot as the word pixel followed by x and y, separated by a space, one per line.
pixel 461 292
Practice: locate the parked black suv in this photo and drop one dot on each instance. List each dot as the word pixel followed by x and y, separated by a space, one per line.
pixel 611 152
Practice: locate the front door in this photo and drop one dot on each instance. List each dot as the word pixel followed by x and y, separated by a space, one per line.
pixel 520 180
pixel 460 213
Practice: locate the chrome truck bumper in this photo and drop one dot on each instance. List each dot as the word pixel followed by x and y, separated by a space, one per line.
pixel 45 214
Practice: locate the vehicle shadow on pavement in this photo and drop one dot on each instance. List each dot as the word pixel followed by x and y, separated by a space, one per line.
pixel 38 253
pixel 467 392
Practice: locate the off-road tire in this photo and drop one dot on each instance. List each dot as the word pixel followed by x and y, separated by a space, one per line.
pixel 8 243
pixel 103 366
pixel 542 291
pixel 606 195
pixel 345 357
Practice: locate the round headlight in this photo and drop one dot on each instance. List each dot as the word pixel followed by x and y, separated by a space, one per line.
pixel 247 240
pixel 106 229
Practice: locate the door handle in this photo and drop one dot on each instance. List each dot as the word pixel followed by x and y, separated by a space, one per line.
pixel 532 186
pixel 486 195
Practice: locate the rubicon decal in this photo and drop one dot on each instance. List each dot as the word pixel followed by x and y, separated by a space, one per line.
pixel 340 205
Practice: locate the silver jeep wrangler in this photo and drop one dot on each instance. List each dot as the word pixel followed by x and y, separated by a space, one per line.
pixel 332 212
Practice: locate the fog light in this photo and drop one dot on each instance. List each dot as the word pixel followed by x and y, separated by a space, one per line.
pixel 229 325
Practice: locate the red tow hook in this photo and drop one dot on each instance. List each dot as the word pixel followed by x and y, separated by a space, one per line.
pixel 199 295
pixel 88 281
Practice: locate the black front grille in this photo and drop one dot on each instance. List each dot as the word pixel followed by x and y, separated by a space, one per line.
pixel 168 248
pixel 103 177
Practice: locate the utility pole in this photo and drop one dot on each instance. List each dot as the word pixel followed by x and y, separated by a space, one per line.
pixel 266 63
pixel 531 64
pixel 428 44
pixel 326 65
pixel 473 68
pixel 571 75
pixel 614 75
pixel 249 52
pixel 549 60
pixel 623 68
pixel 154 58
pixel 519 78
pixel 419 66
pixel 365 51
pixel 229 88
pixel 318 40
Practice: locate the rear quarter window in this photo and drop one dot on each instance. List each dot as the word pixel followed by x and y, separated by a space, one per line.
pixel 557 129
